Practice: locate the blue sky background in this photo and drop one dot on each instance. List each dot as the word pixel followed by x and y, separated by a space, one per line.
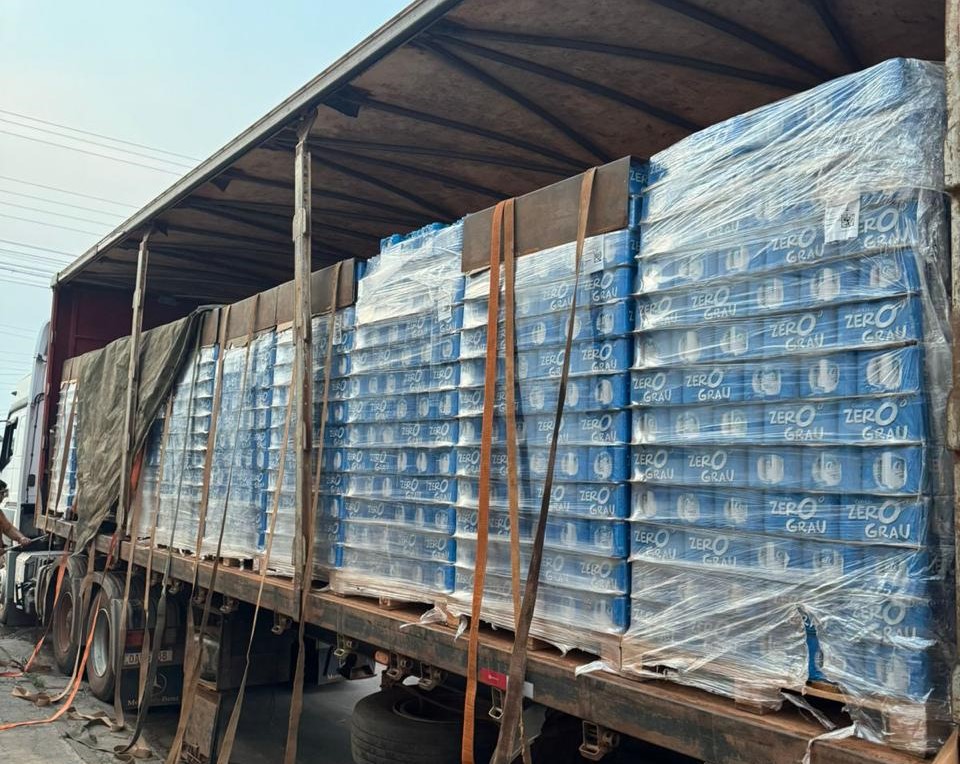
pixel 179 75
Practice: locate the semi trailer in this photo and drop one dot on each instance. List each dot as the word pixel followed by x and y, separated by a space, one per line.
pixel 450 107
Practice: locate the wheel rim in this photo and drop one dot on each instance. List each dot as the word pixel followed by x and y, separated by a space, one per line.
pixel 100 649
pixel 63 617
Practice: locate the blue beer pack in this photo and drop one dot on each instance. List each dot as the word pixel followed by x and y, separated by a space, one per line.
pixel 559 567
pixel 420 380
pixel 408 329
pixel 396 408
pixel 435 576
pixel 888 419
pixel 438 432
pixel 437 461
pixel 574 608
pixel 600 537
pixel 594 322
pixel 890 321
pixel 568 499
pixel 576 428
pixel 406 488
pixel 539 396
pixel 399 541
pixel 408 355
pixel 884 520
pixel 428 517
pixel 572 463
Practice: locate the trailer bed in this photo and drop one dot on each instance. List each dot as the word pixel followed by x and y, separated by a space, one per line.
pixel 682 719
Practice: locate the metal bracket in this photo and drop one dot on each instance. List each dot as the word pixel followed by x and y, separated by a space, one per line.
pixel 174 588
pixel 200 596
pixel 230 605
pixel 431 677
pixel 496 703
pixel 597 741
pixel 280 623
pixel 344 648
pixel 399 667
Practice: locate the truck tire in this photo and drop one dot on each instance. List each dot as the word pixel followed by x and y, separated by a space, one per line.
pixel 394 726
pixel 100 669
pixel 62 633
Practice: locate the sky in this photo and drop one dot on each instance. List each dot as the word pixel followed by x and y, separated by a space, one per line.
pixel 179 76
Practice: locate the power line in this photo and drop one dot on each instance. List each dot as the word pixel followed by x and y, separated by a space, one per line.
pixel 90 153
pixel 37 246
pixel 65 191
pixel 49 225
pixel 62 204
pixel 56 259
pixel 87 141
pixel 98 135
pixel 63 215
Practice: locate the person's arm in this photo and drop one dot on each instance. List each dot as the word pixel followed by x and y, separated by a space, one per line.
pixel 7 529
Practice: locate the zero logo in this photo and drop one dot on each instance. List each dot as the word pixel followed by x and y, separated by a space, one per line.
pixel 886 413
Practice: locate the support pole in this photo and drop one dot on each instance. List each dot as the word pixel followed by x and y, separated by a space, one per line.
pixel 302 345
pixel 951 169
pixel 133 384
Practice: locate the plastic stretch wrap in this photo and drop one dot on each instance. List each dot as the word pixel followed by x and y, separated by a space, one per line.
pixel 147 495
pixel 584 583
pixel 64 490
pixel 185 452
pixel 399 425
pixel 327 530
pixel 239 446
pixel 792 506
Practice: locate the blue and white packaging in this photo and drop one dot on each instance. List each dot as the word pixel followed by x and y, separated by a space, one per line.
pixel 721 301
pixel 658 387
pixel 673 270
pixel 884 520
pixel 880 322
pixel 775 468
pixel 892 469
pixel 889 371
pixel 657 542
pixel 427 517
pixel 827 283
pixel 828 376
pixel 803 422
pixel 718 383
pixel 801 515
pixel 889 419
pixel 715 465
pixel 652 464
pixel 773 293
pixel 673 347
pixel 737 341
pixel 887 273
pixel 830 468
pixel 399 541
pixel 807 331
pixel 674 505
pixel 767 381
pixel 569 499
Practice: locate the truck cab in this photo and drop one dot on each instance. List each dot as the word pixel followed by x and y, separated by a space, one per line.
pixel 22 440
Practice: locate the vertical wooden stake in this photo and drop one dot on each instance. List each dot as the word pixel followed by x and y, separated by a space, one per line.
pixel 302 356
pixel 133 384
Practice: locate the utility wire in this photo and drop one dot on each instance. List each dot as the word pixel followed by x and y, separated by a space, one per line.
pixel 46 200
pixel 65 191
pixel 98 144
pixel 90 153
pixel 36 246
pixel 50 225
pixel 63 215
pixel 36 257
pixel 98 135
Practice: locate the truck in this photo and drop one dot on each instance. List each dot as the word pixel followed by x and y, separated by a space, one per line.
pixel 449 107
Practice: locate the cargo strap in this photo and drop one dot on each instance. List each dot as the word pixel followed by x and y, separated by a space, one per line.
pixel 162 601
pixel 229 736
pixel 513 704
pixel 146 647
pixel 483 499
pixel 191 671
pixel 306 575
